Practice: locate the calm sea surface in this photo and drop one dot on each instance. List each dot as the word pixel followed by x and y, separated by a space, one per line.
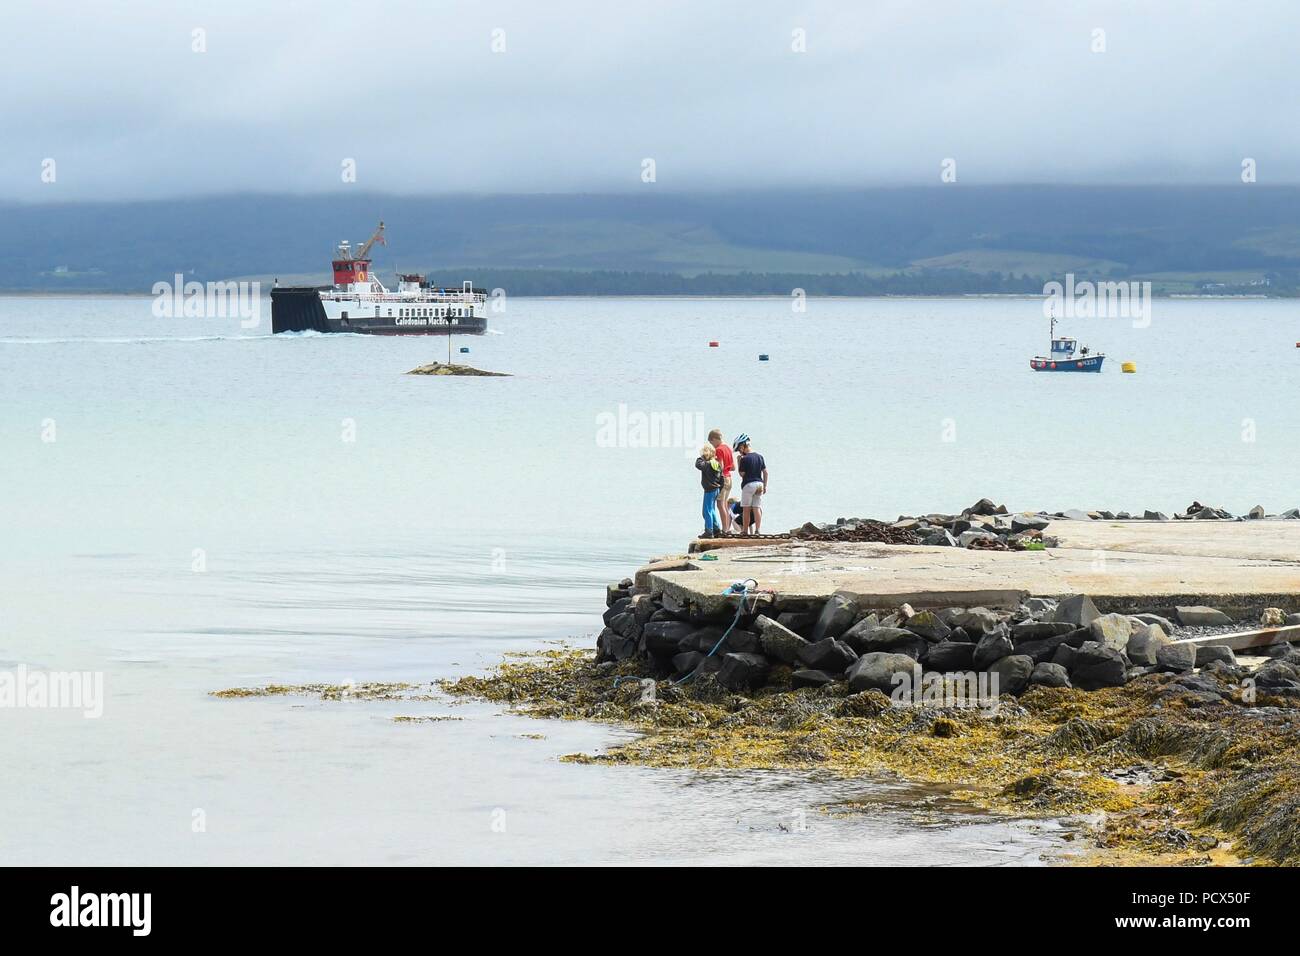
pixel 189 505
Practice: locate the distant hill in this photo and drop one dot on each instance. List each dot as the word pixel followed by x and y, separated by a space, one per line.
pixel 933 240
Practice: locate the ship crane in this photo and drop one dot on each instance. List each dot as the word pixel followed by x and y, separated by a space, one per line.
pixel 346 254
pixel 377 237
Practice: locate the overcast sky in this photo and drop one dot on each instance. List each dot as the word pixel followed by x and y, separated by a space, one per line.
pixel 585 91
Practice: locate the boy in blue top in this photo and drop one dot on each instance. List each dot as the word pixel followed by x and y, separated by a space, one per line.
pixel 711 482
pixel 753 484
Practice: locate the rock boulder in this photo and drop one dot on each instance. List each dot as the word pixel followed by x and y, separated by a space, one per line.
pixel 993 647
pixel 1046 674
pixel 875 671
pixel 836 617
pixel 1077 609
pixel 1013 673
pixel 1206 653
pixel 742 671
pixel 1113 630
pixel 1176 656
pixel 778 641
pixel 949 656
pixel 1143 644
pixel 1095 665
pixel 1200 616
pixel 827 655
pixel 663 637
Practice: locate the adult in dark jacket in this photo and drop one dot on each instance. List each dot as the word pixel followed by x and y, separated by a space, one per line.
pixel 711 482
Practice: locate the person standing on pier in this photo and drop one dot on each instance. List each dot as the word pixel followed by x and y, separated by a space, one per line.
pixel 711 482
pixel 727 462
pixel 753 484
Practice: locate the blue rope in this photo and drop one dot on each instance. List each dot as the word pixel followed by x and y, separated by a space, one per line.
pixel 744 593
pixel 740 608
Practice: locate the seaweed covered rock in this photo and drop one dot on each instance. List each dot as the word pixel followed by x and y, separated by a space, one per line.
pixel 867 703
pixel 444 368
pixel 1263 803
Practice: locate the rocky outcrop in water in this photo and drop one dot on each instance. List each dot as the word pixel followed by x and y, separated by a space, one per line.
pixel 443 368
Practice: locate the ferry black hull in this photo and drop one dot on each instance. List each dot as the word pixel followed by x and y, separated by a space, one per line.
pixel 301 310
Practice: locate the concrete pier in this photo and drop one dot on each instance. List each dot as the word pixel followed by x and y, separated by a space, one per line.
pixel 1122 565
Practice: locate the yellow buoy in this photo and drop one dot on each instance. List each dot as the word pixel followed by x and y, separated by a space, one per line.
pixel 1129 367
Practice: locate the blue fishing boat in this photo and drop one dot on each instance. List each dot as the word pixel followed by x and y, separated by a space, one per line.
pixel 1066 356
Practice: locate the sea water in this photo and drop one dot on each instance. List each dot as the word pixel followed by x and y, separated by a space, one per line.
pixel 191 505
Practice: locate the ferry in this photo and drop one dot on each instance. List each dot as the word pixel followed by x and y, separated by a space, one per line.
pixel 358 302
pixel 1066 356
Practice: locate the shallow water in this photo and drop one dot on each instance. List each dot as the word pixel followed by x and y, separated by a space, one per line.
pixel 221 508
